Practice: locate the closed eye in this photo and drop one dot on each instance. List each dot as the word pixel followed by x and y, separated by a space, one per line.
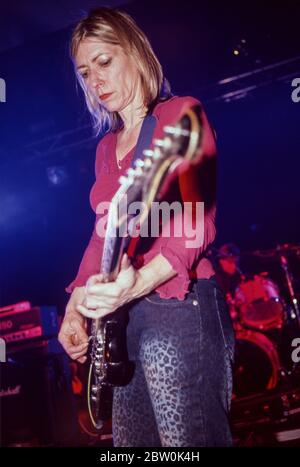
pixel 105 63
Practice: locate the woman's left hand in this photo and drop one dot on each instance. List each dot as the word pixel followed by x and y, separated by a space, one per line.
pixel 103 298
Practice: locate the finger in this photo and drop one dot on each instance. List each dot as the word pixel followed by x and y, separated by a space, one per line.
pixel 75 339
pixel 78 348
pixel 82 359
pixel 126 278
pixel 76 355
pixel 71 348
pixel 79 357
pixel 93 314
pixel 106 289
pixel 95 279
pixel 79 332
pixel 92 302
pixel 125 263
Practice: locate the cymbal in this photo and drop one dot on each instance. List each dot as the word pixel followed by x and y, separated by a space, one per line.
pixel 280 249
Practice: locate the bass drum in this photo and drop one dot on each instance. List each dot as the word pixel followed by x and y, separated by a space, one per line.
pixel 257 365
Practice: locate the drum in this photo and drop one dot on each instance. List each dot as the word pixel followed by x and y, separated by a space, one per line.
pixel 257 364
pixel 259 303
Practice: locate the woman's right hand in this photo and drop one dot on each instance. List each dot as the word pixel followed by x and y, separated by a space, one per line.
pixel 72 335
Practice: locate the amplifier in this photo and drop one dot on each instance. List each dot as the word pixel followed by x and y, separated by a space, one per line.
pixel 22 322
pixel 37 404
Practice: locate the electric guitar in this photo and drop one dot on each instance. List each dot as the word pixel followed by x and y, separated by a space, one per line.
pixel 179 148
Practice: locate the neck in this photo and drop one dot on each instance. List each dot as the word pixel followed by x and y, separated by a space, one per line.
pixel 133 115
pixel 133 120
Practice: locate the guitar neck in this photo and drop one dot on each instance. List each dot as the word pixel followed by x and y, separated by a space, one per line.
pixel 114 247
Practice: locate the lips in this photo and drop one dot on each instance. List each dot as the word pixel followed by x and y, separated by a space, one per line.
pixel 103 97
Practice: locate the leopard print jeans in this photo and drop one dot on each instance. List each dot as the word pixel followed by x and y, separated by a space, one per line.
pixel 180 392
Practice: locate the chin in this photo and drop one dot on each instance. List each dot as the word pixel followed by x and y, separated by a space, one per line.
pixel 110 107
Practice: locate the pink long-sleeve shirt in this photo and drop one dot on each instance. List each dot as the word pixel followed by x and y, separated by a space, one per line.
pixel 187 262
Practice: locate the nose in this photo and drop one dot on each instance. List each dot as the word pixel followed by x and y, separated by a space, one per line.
pixel 96 79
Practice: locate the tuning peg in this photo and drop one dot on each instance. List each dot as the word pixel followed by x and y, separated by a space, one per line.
pixel 94 389
pixel 139 163
pixel 148 153
pixel 162 143
pixel 148 163
pixel 131 172
pixel 139 171
pixel 156 154
pixel 173 130
pixel 124 180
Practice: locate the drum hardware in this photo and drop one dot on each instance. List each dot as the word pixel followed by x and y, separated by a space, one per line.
pixel 273 252
pixel 265 325
pixel 267 419
pixel 289 280
pixel 259 296
pixel 264 322
pixel 281 252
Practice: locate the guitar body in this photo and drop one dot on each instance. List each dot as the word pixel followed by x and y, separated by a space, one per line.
pixel 109 365
pixel 119 369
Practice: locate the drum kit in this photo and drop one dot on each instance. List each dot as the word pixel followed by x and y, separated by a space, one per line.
pixel 265 321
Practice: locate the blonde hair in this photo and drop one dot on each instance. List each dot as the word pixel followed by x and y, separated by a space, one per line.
pixel 118 28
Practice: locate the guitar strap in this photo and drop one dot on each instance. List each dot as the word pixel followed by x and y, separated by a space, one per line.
pixel 149 124
pixel 145 137
pixel 144 142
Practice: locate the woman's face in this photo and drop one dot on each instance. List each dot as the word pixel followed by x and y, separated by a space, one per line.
pixel 109 74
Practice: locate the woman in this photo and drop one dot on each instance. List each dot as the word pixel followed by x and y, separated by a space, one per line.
pixel 179 334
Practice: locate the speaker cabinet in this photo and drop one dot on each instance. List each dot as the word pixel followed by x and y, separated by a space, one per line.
pixel 37 403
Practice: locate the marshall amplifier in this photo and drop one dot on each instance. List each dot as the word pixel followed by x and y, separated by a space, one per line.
pixel 37 404
pixel 22 322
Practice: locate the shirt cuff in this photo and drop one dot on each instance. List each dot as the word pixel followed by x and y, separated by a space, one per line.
pixel 78 282
pixel 178 286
